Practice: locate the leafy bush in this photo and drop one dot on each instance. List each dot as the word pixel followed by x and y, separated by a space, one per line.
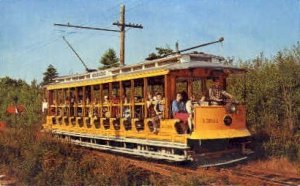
pixel 30 96
pixel 272 89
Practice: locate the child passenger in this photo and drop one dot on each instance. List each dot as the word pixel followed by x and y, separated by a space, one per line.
pixel 158 108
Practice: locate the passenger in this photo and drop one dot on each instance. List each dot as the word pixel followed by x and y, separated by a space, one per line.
pixel 115 99
pixel 125 99
pixel 72 100
pixel 190 110
pixel 115 109
pixel 79 112
pixel 177 105
pixel 95 102
pixel 90 111
pixel 106 112
pixel 54 102
pixel 154 97
pixel 138 99
pixel 149 100
pixel 150 105
pixel 95 113
pixel 87 101
pixel 105 100
pixel 126 113
pixel 185 96
pixel 44 106
pixel 217 95
pixel 67 101
pixel 80 101
pixel 158 108
pixel 60 112
pixel 80 98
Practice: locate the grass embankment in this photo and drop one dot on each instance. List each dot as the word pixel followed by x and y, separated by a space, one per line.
pixel 35 158
pixel 38 159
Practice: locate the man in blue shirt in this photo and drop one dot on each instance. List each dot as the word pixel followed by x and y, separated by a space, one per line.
pixel 177 105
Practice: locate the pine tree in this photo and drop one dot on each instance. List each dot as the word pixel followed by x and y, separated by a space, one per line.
pixel 161 52
pixel 109 59
pixel 49 75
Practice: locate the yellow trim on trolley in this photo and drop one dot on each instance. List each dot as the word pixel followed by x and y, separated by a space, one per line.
pixel 108 79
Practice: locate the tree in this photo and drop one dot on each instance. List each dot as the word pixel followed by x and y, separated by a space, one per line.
pixel 161 52
pixel 49 75
pixel 109 59
pixel 17 91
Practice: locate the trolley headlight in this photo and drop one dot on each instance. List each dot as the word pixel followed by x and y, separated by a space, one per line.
pixel 227 120
pixel 232 108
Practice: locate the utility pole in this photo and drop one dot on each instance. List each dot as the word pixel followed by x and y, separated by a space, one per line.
pixel 122 35
pixel 121 24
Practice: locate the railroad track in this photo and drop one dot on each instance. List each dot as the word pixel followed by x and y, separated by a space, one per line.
pixel 265 176
pixel 261 177
pixel 247 174
pixel 151 165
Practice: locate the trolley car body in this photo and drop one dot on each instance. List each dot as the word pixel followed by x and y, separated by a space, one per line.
pixel 79 111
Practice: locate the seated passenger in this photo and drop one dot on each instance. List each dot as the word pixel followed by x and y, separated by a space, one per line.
pixel 126 113
pixel 138 99
pixel 115 99
pixel 72 100
pixel 67 102
pixel 115 111
pixel 217 95
pixel 95 113
pixel 105 100
pixel 79 112
pixel 125 99
pixel 150 105
pixel 158 108
pixel 177 105
pixel 95 101
pixel 87 101
pixel 149 100
pixel 54 102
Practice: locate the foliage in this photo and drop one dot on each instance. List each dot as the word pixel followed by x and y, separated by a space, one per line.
pixel 272 89
pixel 109 59
pixel 49 75
pixel 28 95
pixel 160 52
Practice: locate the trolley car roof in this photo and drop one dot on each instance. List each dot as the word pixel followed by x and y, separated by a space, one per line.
pixel 146 69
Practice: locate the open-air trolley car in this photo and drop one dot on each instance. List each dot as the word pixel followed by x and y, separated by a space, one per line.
pixel 110 110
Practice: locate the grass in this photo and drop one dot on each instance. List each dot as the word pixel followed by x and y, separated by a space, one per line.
pixel 36 158
pixel 39 159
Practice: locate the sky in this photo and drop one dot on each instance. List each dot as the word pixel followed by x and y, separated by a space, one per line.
pixel 29 42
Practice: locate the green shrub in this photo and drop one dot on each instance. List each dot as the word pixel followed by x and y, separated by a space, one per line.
pixel 272 89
